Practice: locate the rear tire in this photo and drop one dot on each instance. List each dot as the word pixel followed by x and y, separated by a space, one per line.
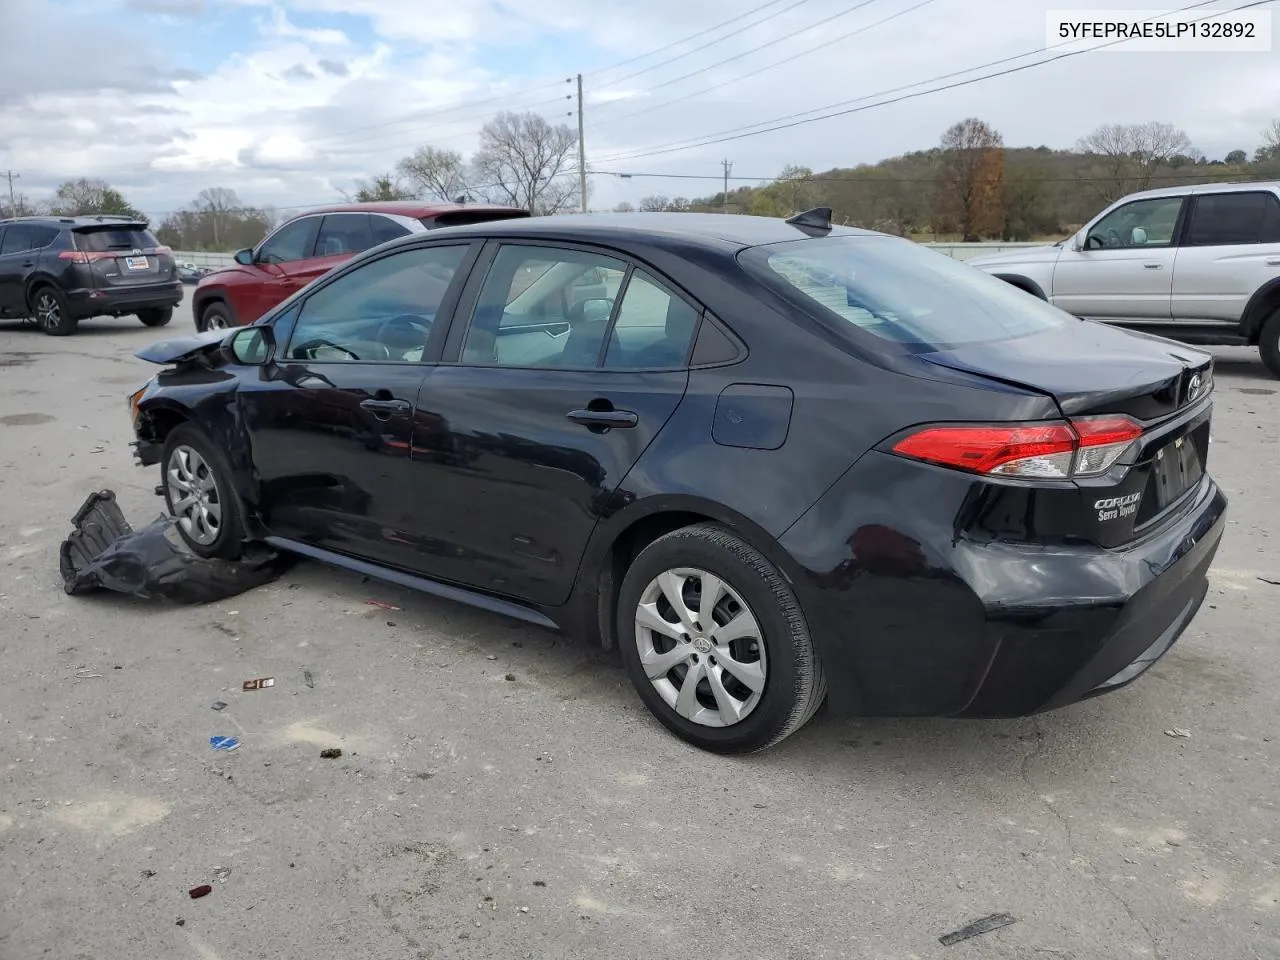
pixel 156 317
pixel 199 492
pixel 215 317
pixel 775 683
pixel 1269 344
pixel 51 312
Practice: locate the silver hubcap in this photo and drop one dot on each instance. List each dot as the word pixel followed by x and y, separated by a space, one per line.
pixel 47 312
pixel 701 647
pixel 215 321
pixel 193 492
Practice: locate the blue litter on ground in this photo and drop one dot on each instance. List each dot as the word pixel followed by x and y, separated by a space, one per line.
pixel 224 743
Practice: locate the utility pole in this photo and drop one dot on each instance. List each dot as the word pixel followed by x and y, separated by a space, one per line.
pixel 582 150
pixel 12 203
pixel 727 167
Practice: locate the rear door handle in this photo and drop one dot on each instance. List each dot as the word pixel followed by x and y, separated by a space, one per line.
pixel 1154 266
pixel 1273 261
pixel 604 418
pixel 386 409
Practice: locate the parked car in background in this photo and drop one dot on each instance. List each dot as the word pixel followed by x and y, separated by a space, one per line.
pixel 775 462
pixel 190 273
pixel 61 270
pixel 311 244
pixel 1200 264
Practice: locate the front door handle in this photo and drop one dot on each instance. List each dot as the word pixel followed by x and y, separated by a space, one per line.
pixel 1154 266
pixel 386 409
pixel 604 418
pixel 1273 261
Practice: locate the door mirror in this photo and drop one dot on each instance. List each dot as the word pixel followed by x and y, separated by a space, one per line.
pixel 250 346
pixel 244 257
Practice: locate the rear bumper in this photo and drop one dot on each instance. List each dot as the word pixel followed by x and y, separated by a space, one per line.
pixel 916 621
pixel 87 302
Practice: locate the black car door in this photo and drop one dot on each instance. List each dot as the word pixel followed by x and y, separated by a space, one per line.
pixel 544 403
pixel 331 421
pixel 16 261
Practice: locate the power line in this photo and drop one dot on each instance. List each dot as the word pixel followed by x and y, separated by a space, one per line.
pixel 710 43
pixel 771 126
pixel 745 53
pixel 818 179
pixel 767 67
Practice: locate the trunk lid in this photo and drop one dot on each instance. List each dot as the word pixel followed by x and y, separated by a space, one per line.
pixel 124 254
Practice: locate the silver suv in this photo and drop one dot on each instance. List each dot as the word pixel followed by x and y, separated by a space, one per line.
pixel 1200 264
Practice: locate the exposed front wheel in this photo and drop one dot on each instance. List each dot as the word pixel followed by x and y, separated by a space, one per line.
pixel 215 317
pixel 715 642
pixel 156 317
pixel 52 314
pixel 199 493
pixel 1269 344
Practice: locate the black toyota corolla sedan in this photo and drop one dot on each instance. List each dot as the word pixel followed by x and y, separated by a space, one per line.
pixel 777 463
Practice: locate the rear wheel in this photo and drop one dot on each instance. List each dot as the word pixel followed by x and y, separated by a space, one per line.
pixel 715 642
pixel 215 317
pixel 1269 344
pixel 156 317
pixel 198 490
pixel 52 314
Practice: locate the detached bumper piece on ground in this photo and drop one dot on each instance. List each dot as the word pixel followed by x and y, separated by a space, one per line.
pixel 104 552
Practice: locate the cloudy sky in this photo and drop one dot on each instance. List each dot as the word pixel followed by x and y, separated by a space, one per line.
pixel 291 102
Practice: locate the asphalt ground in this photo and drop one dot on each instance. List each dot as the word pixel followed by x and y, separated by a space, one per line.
pixel 502 793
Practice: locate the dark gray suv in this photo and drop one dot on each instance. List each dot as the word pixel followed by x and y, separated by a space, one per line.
pixel 58 271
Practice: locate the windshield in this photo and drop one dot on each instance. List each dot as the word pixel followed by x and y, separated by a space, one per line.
pixel 903 292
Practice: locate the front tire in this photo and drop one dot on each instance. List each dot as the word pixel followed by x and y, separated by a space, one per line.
pixel 215 317
pixel 199 493
pixel 1269 344
pixel 156 317
pixel 715 642
pixel 52 314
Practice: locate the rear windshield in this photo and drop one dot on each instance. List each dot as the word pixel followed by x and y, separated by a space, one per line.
pixel 101 239
pixel 903 292
pixel 462 218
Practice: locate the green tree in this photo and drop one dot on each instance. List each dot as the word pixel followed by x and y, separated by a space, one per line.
pixel 382 187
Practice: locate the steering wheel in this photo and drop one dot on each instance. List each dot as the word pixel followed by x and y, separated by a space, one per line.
pixel 1113 237
pixel 414 326
pixel 308 348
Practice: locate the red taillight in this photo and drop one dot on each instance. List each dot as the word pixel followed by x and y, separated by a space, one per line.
pixel 1045 451
pixel 81 256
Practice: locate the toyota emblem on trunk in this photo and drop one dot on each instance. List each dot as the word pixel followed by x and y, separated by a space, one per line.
pixel 1193 388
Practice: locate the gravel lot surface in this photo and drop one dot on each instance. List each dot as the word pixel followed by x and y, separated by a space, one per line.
pixel 502 793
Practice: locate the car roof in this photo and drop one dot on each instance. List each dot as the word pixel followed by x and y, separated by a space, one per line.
pixel 407 208
pixel 93 220
pixel 710 229
pixel 1232 186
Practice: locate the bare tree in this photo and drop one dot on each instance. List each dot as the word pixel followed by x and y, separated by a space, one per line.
pixel 523 160
pixel 655 203
pixel 220 206
pixel 679 205
pixel 971 178
pixel 435 174
pixel 384 186
pixel 625 207
pixel 1270 149
pixel 21 206
pixel 1129 155
pixel 85 197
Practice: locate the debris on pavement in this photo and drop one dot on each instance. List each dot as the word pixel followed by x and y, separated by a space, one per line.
pixel 104 552
pixel 382 604
pixel 994 922
pixel 511 678
pixel 82 675
pixel 491 657
pixel 219 705
pixel 308 679
pixel 221 873
pixel 1178 732
pixel 261 683
pixel 1274 583
pixel 201 891
pixel 330 753
pixel 180 922
pixel 224 743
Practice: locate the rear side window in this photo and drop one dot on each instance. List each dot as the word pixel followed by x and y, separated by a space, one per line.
pixel 898 291
pixel 385 229
pixel 16 239
pixel 1222 219
pixel 102 239
pixel 344 233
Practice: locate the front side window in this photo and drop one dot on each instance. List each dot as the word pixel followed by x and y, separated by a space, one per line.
pixel 1143 223
pixel 344 233
pixel 654 327
pixel 902 292
pixel 292 242
pixel 544 307
pixel 381 311
pixel 1223 219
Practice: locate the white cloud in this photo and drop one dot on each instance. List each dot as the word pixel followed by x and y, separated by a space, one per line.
pixel 296 112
